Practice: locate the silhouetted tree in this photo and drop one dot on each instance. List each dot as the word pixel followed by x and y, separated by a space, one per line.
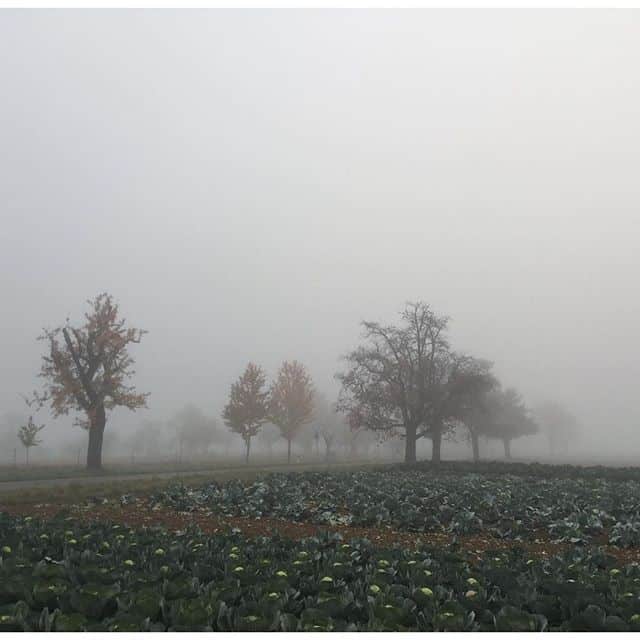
pixel 268 435
pixel 146 439
pixel 397 382
pixel 473 384
pixel 328 424
pixel 151 439
pixel 28 435
pixel 558 424
pixel 246 411
pixel 357 442
pixel 455 377
pixel 291 401
pixel 507 418
pixel 87 368
pixel 316 441
pixel 194 431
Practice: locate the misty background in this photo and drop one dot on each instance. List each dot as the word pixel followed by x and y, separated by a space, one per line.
pixel 250 185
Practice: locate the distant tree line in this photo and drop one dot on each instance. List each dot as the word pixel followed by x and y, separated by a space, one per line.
pixel 404 382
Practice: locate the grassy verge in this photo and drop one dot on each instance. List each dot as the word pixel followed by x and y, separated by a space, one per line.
pixel 78 491
pixel 117 469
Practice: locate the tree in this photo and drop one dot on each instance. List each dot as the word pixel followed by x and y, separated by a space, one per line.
pixel 507 418
pixel 456 378
pixel 246 411
pixel 357 442
pixel 28 434
pixel 145 440
pixel 87 368
pixel 558 424
pixel 395 382
pixel 473 384
pixel 269 435
pixel 316 441
pixel 291 401
pixel 194 431
pixel 327 423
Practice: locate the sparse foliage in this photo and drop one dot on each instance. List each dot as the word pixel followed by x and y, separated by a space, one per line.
pixel 28 435
pixel 86 369
pixel 194 431
pixel 455 379
pixel 406 381
pixel 246 411
pixel 558 424
pixel 328 424
pixel 507 418
pixel 393 382
pixel 147 440
pixel 291 401
pixel 473 385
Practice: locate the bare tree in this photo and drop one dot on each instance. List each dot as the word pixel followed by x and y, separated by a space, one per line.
pixel 454 379
pixel 328 424
pixel 291 401
pixel 28 435
pixel 558 424
pixel 86 369
pixel 146 437
pixel 246 411
pixel 194 431
pixel 268 436
pixel 392 381
pixel 358 441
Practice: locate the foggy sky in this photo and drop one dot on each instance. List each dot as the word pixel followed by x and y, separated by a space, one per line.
pixel 250 185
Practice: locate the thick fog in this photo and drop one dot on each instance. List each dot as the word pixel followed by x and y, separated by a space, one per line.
pixel 250 185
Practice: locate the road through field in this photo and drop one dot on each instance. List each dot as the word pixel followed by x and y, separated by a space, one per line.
pixel 245 471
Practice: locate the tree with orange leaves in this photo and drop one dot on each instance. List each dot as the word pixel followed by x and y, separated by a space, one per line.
pixel 291 401
pixel 87 369
pixel 246 411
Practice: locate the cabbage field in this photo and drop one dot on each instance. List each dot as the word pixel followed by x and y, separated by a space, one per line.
pixel 70 571
pixel 505 505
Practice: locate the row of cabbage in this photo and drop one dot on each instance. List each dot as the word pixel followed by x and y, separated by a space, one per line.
pixel 61 575
pixel 425 500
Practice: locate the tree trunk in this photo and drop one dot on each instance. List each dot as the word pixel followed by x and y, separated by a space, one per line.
pixel 327 453
pixel 436 445
pixel 96 434
pixel 507 448
pixel 410 444
pixel 288 451
pixel 248 443
pixel 475 444
pixel 27 451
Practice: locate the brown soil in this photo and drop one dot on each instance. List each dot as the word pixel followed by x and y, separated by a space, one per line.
pixel 141 514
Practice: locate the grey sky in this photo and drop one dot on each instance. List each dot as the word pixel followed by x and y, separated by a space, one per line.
pixel 252 184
